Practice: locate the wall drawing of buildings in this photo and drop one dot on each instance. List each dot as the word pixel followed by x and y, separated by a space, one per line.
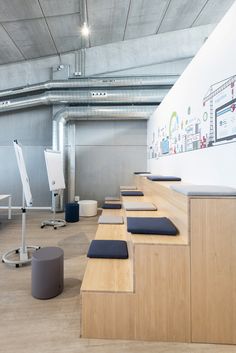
pixel 187 132
pixel 220 101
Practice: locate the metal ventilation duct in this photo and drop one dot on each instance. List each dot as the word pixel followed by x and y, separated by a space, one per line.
pixel 133 96
pixel 118 91
pixel 89 113
pixel 91 82
pixel 95 113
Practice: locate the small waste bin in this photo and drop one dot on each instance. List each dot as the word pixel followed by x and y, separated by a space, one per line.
pixel 72 212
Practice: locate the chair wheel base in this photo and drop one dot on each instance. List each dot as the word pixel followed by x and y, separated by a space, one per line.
pixel 24 258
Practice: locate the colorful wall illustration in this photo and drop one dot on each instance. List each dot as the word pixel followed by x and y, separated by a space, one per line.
pixel 187 131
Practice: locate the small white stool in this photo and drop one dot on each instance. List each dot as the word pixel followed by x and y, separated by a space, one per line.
pixel 88 208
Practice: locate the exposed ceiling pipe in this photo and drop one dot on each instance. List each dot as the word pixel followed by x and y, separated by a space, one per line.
pixel 93 82
pixel 90 91
pixel 61 118
pixel 134 96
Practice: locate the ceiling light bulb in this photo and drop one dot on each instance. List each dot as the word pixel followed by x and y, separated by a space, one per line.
pixel 85 30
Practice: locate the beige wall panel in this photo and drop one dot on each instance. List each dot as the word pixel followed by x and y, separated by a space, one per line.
pixel 162 284
pixel 213 265
pixel 108 315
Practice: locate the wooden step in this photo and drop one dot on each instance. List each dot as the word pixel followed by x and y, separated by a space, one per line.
pixel 110 275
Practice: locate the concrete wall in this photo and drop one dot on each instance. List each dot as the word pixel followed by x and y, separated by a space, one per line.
pixel 32 129
pixel 107 153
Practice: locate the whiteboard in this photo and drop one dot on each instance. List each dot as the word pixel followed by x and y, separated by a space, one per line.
pixel 23 173
pixel 54 164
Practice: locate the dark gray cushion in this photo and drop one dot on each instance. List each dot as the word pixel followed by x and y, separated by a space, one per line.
pixel 131 193
pixel 111 206
pixel 137 173
pixel 108 249
pixel 163 178
pixel 204 190
pixel 151 225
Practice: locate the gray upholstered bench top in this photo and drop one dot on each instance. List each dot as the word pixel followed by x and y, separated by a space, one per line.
pixel 204 190
pixel 139 206
pixel 105 219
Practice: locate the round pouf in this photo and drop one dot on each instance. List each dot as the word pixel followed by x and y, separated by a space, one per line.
pixel 47 272
pixel 88 208
pixel 72 212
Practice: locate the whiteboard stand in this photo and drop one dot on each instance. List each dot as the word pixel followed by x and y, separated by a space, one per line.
pixel 54 165
pixel 55 223
pixel 23 252
pixel 22 255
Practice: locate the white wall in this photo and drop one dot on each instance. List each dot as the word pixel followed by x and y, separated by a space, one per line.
pixel 214 62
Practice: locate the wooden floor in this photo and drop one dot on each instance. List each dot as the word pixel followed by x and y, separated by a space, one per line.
pixel 45 326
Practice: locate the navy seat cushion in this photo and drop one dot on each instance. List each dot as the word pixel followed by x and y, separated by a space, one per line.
pixel 151 225
pixel 141 173
pixel 111 206
pixel 131 193
pixel 108 249
pixel 163 178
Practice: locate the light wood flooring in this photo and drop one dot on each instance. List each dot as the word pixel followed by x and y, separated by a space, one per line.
pixel 47 326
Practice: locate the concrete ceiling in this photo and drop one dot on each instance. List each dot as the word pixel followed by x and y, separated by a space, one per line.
pixel 36 28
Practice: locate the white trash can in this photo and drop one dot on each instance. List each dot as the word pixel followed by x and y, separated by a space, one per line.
pixel 88 208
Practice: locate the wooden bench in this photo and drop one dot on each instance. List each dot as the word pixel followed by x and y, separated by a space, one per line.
pixel 123 307
pixel 169 288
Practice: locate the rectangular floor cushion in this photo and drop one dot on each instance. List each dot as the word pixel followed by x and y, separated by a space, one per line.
pixel 151 225
pixel 139 206
pixel 163 178
pixel 105 219
pixel 132 193
pixel 108 249
pixel 111 206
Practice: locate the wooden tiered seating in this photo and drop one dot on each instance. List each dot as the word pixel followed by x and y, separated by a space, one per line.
pixel 167 289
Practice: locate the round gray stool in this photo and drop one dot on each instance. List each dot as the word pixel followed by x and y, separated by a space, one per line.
pixel 47 272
